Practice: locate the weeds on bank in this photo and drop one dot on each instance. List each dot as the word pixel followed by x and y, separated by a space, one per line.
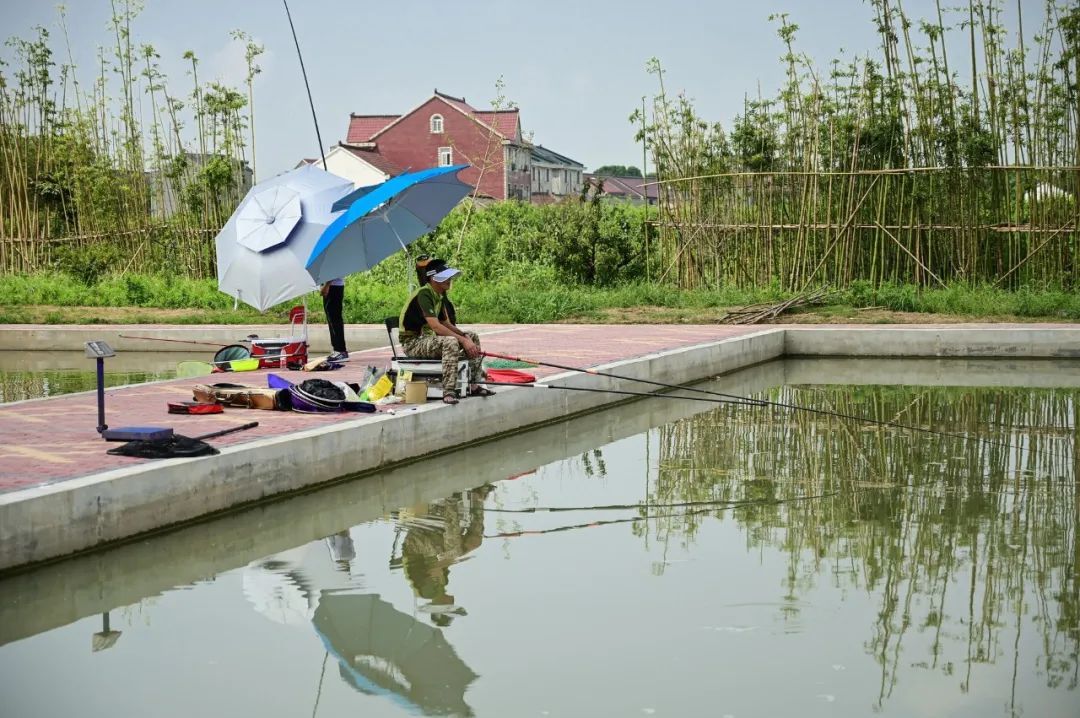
pixel 527 295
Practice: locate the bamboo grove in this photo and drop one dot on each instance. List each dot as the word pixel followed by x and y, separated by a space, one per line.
pixel 950 156
pixel 117 168
pixel 964 542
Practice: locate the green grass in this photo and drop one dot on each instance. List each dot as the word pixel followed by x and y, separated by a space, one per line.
pixel 530 295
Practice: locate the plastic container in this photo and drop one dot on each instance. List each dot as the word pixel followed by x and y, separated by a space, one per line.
pixel 380 388
pixel 415 392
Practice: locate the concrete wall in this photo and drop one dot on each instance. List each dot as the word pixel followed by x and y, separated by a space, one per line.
pixel 956 340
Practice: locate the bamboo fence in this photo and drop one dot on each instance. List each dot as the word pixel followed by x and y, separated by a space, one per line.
pixel 1009 226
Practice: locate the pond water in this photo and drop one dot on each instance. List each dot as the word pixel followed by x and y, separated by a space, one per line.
pixel 667 558
pixel 39 375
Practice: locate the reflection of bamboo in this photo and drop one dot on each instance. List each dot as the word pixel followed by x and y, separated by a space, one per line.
pixel 906 540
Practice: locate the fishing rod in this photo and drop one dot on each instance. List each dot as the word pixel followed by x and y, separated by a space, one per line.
pixel 696 390
pixel 303 71
pixel 753 402
pixel 643 394
pixel 178 341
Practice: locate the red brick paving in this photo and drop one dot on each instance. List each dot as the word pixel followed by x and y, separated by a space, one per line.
pixel 53 440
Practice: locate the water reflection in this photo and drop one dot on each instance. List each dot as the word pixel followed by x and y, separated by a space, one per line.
pixel 23 385
pixel 382 651
pixel 436 537
pixel 862 569
pixel 966 545
pixel 37 375
pixel 379 650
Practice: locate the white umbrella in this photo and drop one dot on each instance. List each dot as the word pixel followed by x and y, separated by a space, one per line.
pixel 262 249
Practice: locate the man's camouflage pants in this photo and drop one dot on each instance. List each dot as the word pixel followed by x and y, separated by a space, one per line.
pixel 433 346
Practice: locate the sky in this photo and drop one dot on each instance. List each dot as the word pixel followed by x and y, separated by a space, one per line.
pixel 575 69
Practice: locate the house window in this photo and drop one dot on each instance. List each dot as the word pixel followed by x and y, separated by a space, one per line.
pixel 436 124
pixel 446 156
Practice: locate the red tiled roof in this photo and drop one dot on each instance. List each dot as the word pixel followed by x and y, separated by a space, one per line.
pixel 373 158
pixel 458 102
pixel 363 127
pixel 505 122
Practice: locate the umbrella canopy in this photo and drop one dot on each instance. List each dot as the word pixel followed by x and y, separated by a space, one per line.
pixel 263 248
pixel 384 219
pixel 267 218
pixel 382 651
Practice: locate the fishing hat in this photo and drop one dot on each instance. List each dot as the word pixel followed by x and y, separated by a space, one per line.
pixel 438 271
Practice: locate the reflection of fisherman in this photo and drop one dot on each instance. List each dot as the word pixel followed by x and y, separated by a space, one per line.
pixel 341 548
pixel 428 553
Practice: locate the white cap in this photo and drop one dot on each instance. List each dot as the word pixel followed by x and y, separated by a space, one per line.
pixel 448 273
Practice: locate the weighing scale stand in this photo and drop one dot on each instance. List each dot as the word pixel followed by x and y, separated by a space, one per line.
pixel 101 425
pixel 99 351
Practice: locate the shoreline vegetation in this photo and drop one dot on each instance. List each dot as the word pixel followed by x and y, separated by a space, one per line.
pixel 540 298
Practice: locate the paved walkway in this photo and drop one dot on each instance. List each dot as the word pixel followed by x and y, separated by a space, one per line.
pixel 55 440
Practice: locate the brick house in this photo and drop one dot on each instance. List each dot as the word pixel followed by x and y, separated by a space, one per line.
pixel 445 130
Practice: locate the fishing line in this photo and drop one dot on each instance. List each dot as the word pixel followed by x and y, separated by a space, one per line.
pixel 697 512
pixel 624 392
pixel 594 372
pixel 733 503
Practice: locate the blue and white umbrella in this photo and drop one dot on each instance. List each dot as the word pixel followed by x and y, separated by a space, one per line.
pixel 382 219
pixel 264 247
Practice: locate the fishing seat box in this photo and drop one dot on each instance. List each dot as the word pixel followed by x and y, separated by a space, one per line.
pixel 274 353
pixel 427 369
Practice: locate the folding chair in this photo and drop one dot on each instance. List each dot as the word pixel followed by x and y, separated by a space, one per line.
pixel 426 369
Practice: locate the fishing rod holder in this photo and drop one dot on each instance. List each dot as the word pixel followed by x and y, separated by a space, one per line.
pixel 99 351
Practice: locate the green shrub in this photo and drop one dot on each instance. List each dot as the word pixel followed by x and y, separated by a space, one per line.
pixel 88 262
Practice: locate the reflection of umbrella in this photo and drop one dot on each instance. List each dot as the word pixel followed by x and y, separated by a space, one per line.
pixel 262 249
pixel 382 651
pixel 381 220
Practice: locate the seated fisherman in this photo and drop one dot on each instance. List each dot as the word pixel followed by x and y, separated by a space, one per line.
pixel 428 331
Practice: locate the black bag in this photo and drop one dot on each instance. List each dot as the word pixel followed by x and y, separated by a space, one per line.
pixel 323 389
pixel 175 447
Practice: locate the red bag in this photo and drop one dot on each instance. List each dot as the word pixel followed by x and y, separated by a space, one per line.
pixel 510 376
pixel 193 407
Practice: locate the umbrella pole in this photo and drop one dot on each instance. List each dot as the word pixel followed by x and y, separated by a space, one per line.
pixel 408 258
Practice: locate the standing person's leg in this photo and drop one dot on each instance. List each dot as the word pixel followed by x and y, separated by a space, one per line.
pixel 333 302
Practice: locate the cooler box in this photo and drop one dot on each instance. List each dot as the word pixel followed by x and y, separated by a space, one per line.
pixel 276 353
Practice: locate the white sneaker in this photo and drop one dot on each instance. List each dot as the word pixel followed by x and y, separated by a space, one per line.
pixel 338 356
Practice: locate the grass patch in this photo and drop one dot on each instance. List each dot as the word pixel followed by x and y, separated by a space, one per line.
pixel 529 296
